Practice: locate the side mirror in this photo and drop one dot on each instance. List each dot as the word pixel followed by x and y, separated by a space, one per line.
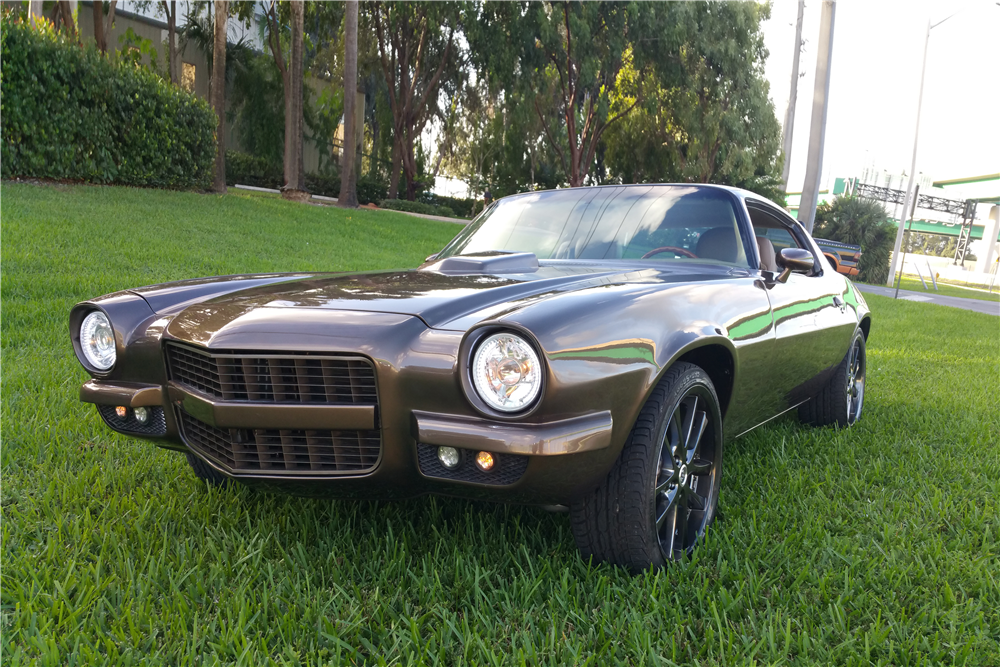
pixel 431 258
pixel 791 260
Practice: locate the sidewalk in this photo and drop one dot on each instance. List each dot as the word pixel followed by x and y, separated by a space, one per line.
pixel 988 307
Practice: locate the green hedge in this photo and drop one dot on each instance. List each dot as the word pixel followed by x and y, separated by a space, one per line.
pixel 416 207
pixel 68 113
pixel 463 208
pixel 245 169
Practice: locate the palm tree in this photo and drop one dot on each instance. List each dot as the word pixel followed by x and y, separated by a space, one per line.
pixel 219 92
pixel 348 174
pixel 294 169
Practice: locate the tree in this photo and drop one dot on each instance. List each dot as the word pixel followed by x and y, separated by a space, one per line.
pixel 348 172
pixel 170 11
pixel 102 27
pixel 276 18
pixel 416 46
pixel 705 115
pixel 294 169
pixel 565 57
pixel 64 17
pixel 862 222
pixel 219 92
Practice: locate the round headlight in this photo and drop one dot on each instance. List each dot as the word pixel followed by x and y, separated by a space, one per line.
pixel 506 372
pixel 97 340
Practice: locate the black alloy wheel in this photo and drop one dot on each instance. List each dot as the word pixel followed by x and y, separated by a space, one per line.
pixel 660 496
pixel 687 486
pixel 841 401
pixel 856 380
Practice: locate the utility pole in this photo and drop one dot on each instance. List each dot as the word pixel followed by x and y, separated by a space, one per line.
pixel 792 97
pixel 913 163
pixel 817 131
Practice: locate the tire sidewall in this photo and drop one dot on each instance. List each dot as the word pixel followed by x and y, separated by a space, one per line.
pixel 844 420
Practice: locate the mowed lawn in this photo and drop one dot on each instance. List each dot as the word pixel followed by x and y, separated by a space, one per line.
pixel 875 545
pixel 944 289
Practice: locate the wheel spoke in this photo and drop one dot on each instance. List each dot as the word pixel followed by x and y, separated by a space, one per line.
pixel 668 508
pixel 689 419
pixel 702 422
pixel 679 534
pixel 669 477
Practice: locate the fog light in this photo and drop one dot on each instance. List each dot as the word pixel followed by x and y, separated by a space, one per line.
pixel 121 411
pixel 449 457
pixel 142 415
pixel 485 461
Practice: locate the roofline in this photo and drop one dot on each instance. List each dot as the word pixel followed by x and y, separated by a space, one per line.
pixel 728 188
pixel 967 180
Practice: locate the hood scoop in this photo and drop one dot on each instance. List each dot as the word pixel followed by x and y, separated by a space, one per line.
pixel 486 263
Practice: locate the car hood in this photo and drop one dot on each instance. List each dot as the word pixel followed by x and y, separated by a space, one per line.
pixel 441 300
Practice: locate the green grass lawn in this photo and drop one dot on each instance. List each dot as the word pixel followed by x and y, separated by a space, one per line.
pixel 944 289
pixel 875 545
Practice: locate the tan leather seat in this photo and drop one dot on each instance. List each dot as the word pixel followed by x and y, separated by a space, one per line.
pixel 717 243
pixel 767 257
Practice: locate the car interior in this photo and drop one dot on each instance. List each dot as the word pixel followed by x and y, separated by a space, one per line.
pixel 772 236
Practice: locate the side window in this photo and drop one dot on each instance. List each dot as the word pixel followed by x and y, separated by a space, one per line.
pixel 772 237
pixel 779 238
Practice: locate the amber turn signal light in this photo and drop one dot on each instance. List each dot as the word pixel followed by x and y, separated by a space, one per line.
pixel 485 461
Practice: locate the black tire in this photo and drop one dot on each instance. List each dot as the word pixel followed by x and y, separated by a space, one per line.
pixel 842 400
pixel 667 477
pixel 206 472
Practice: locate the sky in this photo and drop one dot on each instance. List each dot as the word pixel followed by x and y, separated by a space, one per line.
pixel 875 81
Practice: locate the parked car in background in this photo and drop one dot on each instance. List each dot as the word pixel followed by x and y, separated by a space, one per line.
pixel 843 257
pixel 588 347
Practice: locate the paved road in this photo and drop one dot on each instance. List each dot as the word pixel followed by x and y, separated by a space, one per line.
pixel 988 307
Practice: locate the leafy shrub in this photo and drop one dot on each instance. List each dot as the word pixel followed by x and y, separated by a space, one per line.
pixel 462 207
pixel 416 207
pixel 327 184
pixel 246 169
pixel 69 113
pixel 861 222
pixel 371 190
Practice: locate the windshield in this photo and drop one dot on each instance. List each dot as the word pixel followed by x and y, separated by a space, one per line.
pixel 655 222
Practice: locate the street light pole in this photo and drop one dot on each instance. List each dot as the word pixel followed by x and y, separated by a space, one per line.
pixel 913 163
pixel 792 97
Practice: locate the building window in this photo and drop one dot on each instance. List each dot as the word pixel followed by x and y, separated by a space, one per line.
pixel 187 77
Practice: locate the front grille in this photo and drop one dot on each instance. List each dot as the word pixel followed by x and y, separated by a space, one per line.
pixel 287 451
pixel 508 468
pixel 290 378
pixel 274 378
pixel 155 425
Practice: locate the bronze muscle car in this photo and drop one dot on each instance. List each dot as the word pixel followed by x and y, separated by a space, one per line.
pixel 588 347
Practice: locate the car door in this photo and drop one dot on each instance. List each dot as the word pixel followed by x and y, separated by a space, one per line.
pixel 812 323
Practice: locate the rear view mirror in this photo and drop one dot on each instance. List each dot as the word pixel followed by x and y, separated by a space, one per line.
pixel 795 260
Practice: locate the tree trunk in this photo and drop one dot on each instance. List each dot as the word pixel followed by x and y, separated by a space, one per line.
pixel 170 9
pixel 219 92
pixel 348 174
pixel 394 174
pixel 66 14
pixel 99 26
pixel 294 185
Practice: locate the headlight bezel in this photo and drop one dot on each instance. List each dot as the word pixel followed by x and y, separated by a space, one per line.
pixel 471 345
pixel 76 329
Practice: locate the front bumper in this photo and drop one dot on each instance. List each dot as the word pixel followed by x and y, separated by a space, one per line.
pixel 549 462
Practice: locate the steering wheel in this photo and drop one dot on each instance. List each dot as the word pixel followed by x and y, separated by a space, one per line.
pixel 670 248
